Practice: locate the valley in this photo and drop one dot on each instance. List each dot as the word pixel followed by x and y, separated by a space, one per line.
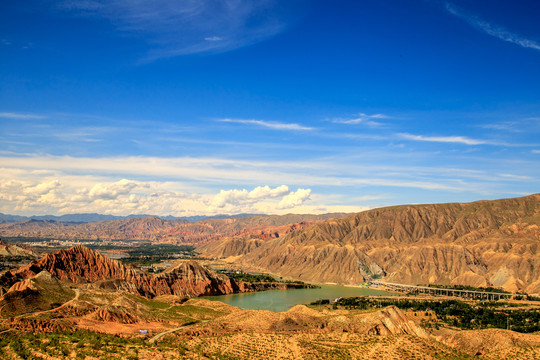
pixel 316 289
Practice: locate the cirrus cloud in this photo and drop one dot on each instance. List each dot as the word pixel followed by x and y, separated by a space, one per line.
pixel 185 27
pixel 269 124
pixel 491 29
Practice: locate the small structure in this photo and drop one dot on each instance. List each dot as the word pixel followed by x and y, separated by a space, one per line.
pixel 143 332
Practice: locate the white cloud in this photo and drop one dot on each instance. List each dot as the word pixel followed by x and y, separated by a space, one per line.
pixel 515 177
pixel 262 192
pixel 181 27
pixel 295 199
pixel 21 116
pixel 362 118
pixel 192 186
pixel 535 151
pixel 42 189
pixel 446 139
pixel 270 124
pixel 135 197
pixel 493 30
pixel 111 191
pixel 236 197
pixel 209 172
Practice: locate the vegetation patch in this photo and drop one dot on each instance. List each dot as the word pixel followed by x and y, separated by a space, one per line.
pixel 455 313
pixel 256 278
pixel 151 254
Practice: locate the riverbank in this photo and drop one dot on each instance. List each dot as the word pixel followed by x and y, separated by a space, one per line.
pixel 278 300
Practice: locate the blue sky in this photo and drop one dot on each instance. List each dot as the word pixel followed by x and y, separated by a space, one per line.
pixel 209 107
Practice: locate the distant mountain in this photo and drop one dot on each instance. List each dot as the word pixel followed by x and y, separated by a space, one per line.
pixel 73 218
pixel 484 243
pixel 4 218
pixel 93 217
pixel 177 231
pixel 224 216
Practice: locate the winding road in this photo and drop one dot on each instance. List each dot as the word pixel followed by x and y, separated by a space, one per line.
pixel 77 294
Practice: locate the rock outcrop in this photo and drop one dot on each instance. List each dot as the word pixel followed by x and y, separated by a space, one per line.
pixel 391 321
pixel 82 265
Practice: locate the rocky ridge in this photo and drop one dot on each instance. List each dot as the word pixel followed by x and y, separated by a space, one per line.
pixel 82 265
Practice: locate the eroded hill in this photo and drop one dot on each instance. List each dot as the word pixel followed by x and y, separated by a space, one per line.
pixel 485 243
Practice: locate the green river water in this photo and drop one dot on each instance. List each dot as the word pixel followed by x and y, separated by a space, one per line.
pixel 283 300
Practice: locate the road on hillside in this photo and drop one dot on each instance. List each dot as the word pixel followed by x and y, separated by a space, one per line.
pixel 77 294
pixel 156 337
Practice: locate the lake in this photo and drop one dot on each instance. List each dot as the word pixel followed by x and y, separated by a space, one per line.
pixel 283 300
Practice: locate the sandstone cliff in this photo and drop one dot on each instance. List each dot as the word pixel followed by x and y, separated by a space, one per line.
pixel 479 244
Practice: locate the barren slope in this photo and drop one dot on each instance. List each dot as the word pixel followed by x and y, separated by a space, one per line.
pixel 481 243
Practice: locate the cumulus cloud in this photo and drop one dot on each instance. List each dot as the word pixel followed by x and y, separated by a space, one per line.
pixel 295 199
pixel 237 197
pixel 111 191
pixel 42 189
pixel 136 197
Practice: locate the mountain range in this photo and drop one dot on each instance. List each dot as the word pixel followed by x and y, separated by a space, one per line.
pixel 93 217
pixel 484 243
pixel 480 244
pixel 159 230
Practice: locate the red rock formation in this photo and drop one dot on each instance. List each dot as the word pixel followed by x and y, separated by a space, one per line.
pixel 82 265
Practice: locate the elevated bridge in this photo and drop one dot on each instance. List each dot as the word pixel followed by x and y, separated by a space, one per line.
pixel 467 294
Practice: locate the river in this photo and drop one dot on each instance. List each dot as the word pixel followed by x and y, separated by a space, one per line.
pixel 283 300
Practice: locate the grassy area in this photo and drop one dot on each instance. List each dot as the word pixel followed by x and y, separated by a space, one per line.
pixel 178 313
pixel 83 344
pixel 152 304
